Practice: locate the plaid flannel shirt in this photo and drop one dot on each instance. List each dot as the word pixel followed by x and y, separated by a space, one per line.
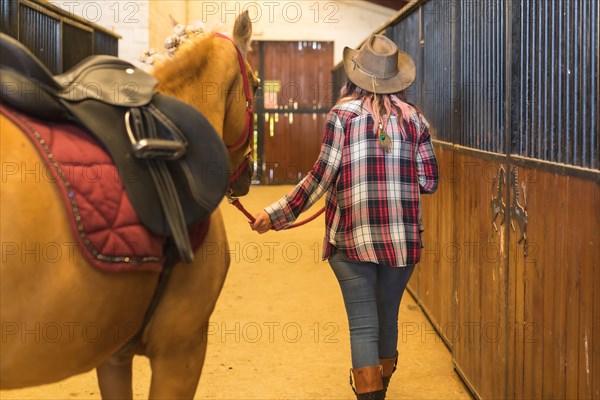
pixel 373 209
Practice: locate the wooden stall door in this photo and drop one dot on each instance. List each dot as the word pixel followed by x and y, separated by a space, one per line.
pixel 527 290
pixel 296 97
pixel 291 146
pixel 554 288
pixel 480 253
pixel 432 282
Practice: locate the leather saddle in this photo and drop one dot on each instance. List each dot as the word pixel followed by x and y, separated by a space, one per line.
pixel 173 165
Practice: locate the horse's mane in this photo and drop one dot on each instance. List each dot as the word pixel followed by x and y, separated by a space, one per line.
pixel 183 66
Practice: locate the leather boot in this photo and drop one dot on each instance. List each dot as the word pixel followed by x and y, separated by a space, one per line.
pixel 368 384
pixel 389 366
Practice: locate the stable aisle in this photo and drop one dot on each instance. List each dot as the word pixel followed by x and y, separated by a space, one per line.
pixel 279 329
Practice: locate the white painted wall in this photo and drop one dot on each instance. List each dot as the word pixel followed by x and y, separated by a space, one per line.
pixel 344 22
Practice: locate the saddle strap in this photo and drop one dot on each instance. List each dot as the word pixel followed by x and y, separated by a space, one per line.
pixel 171 260
pixel 143 128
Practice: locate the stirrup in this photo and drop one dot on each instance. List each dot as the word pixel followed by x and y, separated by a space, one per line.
pixel 144 147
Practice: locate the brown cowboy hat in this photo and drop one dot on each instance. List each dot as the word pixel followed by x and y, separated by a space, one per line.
pixel 379 67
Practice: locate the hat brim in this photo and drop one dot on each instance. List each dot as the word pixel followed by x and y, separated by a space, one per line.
pixel 407 72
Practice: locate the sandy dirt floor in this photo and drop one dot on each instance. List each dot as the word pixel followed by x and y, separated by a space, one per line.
pixel 279 330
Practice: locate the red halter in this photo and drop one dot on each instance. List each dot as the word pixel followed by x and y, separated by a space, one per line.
pixel 246 134
pixel 248 128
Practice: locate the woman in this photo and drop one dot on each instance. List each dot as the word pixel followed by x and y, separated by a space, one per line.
pixel 375 160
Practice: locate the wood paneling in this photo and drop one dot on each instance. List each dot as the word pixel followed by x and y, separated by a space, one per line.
pixel 532 330
pixel 433 280
pixel 553 305
pixel 520 325
pixel 480 311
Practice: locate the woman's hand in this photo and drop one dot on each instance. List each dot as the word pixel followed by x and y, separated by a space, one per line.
pixel 262 224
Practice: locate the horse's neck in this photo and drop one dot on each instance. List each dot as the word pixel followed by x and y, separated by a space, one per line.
pixel 199 82
pixel 212 107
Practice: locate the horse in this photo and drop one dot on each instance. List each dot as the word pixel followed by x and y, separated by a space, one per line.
pixel 64 317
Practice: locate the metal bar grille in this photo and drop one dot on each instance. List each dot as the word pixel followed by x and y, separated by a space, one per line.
pixel 41 34
pixel 407 35
pixel 435 81
pixel 8 17
pixel 105 44
pixel 554 84
pixel 57 38
pixel 482 97
pixel 76 45
pixel 555 112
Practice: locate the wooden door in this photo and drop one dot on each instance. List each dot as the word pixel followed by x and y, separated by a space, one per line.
pixel 292 109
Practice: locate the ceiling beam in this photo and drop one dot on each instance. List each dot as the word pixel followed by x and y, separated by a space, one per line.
pixel 393 4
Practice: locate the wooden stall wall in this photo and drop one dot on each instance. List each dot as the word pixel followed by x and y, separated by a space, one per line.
pixel 510 272
pixel 554 290
pixel 481 251
pixel 433 281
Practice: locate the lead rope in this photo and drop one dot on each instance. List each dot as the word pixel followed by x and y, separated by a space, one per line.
pixel 234 201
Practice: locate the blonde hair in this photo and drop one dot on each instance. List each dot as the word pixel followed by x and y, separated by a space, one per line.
pixel 380 106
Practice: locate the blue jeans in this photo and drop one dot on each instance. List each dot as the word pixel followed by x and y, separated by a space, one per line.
pixel 372 295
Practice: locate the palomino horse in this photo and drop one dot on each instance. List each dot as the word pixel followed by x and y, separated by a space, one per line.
pixel 63 318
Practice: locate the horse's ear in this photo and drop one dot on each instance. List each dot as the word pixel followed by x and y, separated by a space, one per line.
pixel 242 31
pixel 173 20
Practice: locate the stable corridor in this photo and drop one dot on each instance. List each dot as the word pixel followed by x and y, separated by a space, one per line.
pixel 279 330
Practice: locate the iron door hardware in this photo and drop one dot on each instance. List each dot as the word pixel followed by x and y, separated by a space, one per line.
pixel 517 211
pixel 497 202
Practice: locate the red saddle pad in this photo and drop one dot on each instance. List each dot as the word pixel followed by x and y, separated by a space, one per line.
pixel 104 223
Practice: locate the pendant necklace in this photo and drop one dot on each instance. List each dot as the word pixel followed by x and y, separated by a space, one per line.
pixel 384 140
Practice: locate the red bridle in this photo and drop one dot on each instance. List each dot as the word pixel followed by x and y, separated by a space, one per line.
pixel 249 126
pixel 247 135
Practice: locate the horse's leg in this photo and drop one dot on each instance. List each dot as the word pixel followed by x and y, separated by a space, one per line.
pixel 115 378
pixel 59 316
pixel 175 374
pixel 175 339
